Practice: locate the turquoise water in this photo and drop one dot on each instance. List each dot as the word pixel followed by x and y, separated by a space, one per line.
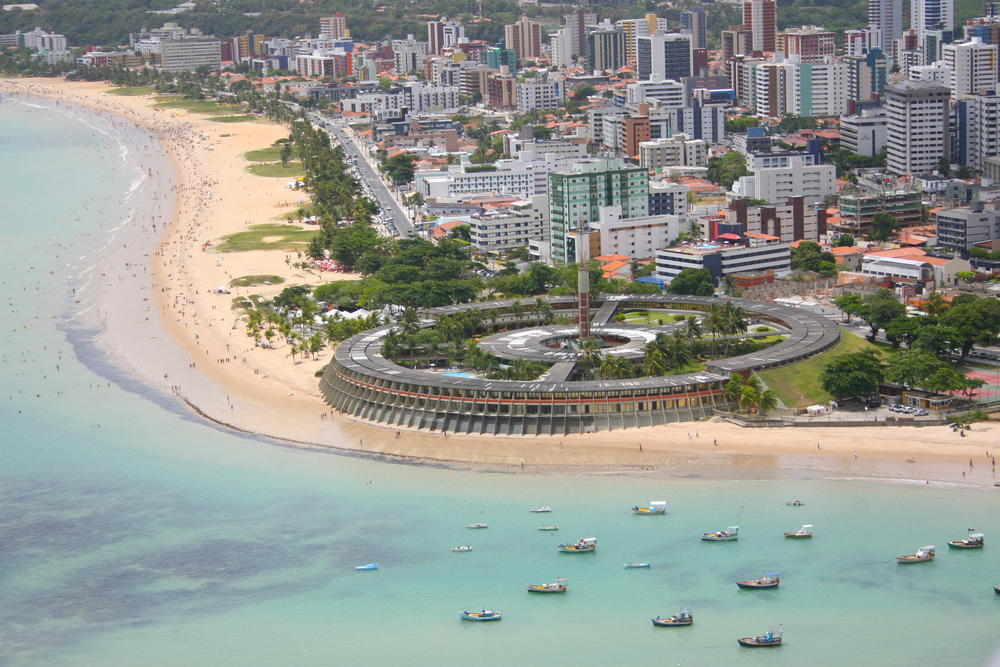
pixel 132 533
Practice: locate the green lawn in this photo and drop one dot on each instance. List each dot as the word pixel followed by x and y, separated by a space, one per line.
pixel 269 154
pixel 233 119
pixel 797 385
pixel 288 238
pixel 125 90
pixel 277 170
pixel 293 215
pixel 247 281
pixel 208 107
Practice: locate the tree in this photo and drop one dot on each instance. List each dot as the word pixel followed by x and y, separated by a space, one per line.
pixel 399 168
pixel 286 154
pixel 937 339
pixel 809 256
pixel 935 304
pixel 849 303
pixel 944 167
pixel 517 308
pixel 541 132
pixel 845 241
pixel 591 354
pixel 904 329
pixel 880 308
pixel 694 282
pixel 882 227
pixel 853 374
pixel 913 369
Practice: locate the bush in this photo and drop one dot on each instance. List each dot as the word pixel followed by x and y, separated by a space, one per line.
pixel 761 329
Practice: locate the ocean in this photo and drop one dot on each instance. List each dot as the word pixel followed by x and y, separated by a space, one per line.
pixel 134 533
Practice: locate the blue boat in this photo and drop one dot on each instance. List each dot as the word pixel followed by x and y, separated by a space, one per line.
pixel 771 638
pixel 484 615
pixel 370 566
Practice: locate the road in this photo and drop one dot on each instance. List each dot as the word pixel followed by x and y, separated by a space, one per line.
pixel 370 176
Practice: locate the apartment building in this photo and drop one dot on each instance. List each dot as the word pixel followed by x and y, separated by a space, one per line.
pixel 675 150
pixel 918 126
pixel 512 227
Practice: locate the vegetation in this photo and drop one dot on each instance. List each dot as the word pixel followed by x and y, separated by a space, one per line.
pixel 269 154
pixel 248 281
pixel 233 119
pixel 750 395
pixel 131 91
pixel 853 374
pixel 798 386
pixel 268 236
pixel 879 309
pixel 276 169
pixel 883 226
pixel 809 256
pixel 727 169
pixel 695 282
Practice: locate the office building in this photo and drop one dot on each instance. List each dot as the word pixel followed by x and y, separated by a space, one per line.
pixel 664 56
pixel 694 23
pixel 577 193
pixel 973 66
pixel 962 228
pixel 524 38
pixel 918 126
pixel 669 94
pixel 443 34
pixel 758 15
pixel 512 227
pixel 606 50
pixel 333 27
pixel 930 15
pixel 866 76
pixel 978 134
pixel 865 133
pixel 807 44
pixel 723 259
pixel 636 237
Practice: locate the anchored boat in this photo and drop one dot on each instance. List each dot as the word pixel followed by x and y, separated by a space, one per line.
pixel 771 638
pixel 974 541
pixel 541 510
pixel 370 566
pixel 585 545
pixel 923 554
pixel 770 580
pixel 795 503
pixel 548 528
pixel 484 615
pixel 646 564
pixel 477 525
pixel 558 587
pixel 465 548
pixel 804 531
pixel 683 617
pixel 726 535
pixel 655 507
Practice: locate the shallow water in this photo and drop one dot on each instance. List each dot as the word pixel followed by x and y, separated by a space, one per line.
pixel 132 533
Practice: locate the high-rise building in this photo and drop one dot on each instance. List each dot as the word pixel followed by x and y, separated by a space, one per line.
pixel 973 66
pixel 333 27
pixel 577 193
pixel 525 38
pixel 606 50
pixel 443 34
pixel 818 89
pixel 978 134
pixel 918 128
pixel 864 134
pixel 634 28
pixel 885 18
pixel 738 40
pixel 866 76
pixel 190 53
pixel 408 54
pixel 694 23
pixel 560 48
pixel 758 15
pixel 664 56
pixel 807 44
pixel 501 90
pixel 930 15
pixel 496 57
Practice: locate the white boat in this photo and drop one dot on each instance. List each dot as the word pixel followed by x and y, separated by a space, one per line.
pixel 370 566
pixel 655 507
pixel 585 545
pixel 477 525
pixel 726 535
pixel 974 541
pixel 804 531
pixel 466 548
pixel 540 510
pixel 558 587
pixel 548 528
pixel 646 564
pixel 795 503
pixel 923 554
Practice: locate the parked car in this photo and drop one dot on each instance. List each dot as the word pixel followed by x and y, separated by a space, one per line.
pixel 921 413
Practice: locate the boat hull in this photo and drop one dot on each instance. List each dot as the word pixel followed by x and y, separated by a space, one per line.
pixel 373 566
pixel 752 642
pixel 636 565
pixel 643 511
pixel 753 584
pixel 961 545
pixel 798 536
pixel 996 589
pixel 548 528
pixel 542 589
pixel 574 550
pixel 477 616
pixel 670 623
pixel 913 559
pixel 718 538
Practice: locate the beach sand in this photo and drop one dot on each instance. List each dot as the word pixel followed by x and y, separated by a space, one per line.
pixel 169 329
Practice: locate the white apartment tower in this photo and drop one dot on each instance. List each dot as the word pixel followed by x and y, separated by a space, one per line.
pixel 918 126
pixel 982 137
pixel 928 14
pixel 885 18
pixel 972 65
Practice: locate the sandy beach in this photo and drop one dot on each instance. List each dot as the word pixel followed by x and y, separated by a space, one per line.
pixel 161 320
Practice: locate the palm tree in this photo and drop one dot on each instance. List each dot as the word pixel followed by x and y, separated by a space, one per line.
pixel 733 388
pixel 655 364
pixel 517 308
pixel 590 354
pixel 714 322
pixel 293 350
pixel 607 368
pixel 749 398
pixel 729 284
pixel 411 322
pixel 694 329
pixel 391 344
pixel 768 401
pixel 494 315
pixel 935 304
pixel 681 350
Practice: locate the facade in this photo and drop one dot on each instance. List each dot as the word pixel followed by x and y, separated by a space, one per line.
pixel 865 133
pixel 667 198
pixel 577 193
pixel 773 160
pixel 419 97
pixel 720 260
pixel 522 178
pixel 699 121
pixel 538 148
pixel 561 48
pixel 638 237
pixel 180 55
pixel 931 14
pixel 858 209
pixel 633 28
pixel 443 34
pixel 818 89
pixel 885 17
pixel 774 184
pixel 788 222
pixel 979 136
pixel 664 56
pixel 736 41
pixel 539 95
pixel 524 38
pixel 866 76
pixel 695 23
pixel 962 228
pixel 758 15
pixel 670 94
pixel 408 54
pixel 918 126
pixel 807 44
pixel 512 228
pixel 501 90
pixel 634 131
pixel 675 150
pixel 606 50
pixel 973 66
pixel 496 58
pixel 333 27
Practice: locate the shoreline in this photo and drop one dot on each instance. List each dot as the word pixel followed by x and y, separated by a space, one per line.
pixel 211 195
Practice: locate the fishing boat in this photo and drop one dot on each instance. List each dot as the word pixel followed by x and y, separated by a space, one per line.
pixel 974 541
pixel 683 617
pixel 585 545
pixel 923 554
pixel 476 525
pixel 726 535
pixel 655 507
pixel 795 503
pixel 548 528
pixel 770 638
pixel 646 564
pixel 484 615
pixel 769 580
pixel 466 548
pixel 804 531
pixel 996 589
pixel 558 587
pixel 370 566
pixel 541 510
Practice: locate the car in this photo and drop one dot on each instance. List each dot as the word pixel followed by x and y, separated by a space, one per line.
pixel 907 409
pixel 920 413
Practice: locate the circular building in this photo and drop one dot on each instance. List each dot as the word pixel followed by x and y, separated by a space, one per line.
pixel 367 386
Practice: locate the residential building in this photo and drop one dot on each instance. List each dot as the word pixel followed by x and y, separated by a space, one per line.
pixel 408 54
pixel 333 27
pixel 522 177
pixel 635 237
pixel 576 193
pixel 866 76
pixel 575 27
pixel 962 228
pixel 665 55
pixel 807 44
pixel 723 259
pixel 634 131
pixel 317 64
pixel 758 15
pixel 496 58
pixel 699 121
pixel 443 34
pixel 991 168
pixel 560 149
pixel 813 182
pixel 788 222
pixel 501 90
pixel 930 14
pixel 561 48
pixel 768 83
pixel 633 28
pixel 190 53
pixel 671 94
pixel 606 50
pixel 885 18
pixel 513 227
pixel 858 42
pixel 675 150
pixel 865 133
pixel 918 126
pixel 783 159
pixel 736 41
pixel 595 121
pixel 539 94
pixel 419 97
pixel 979 137
pixel 858 208
pixel 973 66
pixel 933 43
pixel 818 89
pixel 694 23
pixel 524 38
pixel 668 198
